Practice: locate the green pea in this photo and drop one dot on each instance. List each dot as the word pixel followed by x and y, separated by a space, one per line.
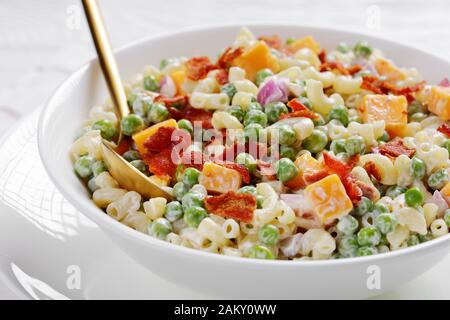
pixel 190 176
pixel 395 191
pixel 254 105
pixel 269 235
pixel 247 160
pixel 157 113
pixel 318 120
pixel 380 208
pixel 347 225
pixel 229 89
pixel 369 236
pixel 92 186
pixel 261 75
pixel 165 62
pixel 261 252
pixel 186 125
pixel 194 215
pixel 286 135
pixel 446 145
pixel 255 117
pixel 248 189
pixel 98 167
pixel 417 117
pixel 348 246
pixel 141 105
pixel 106 127
pixel 286 169
pixel 287 152
pixel 366 251
pixel 174 211
pixel 83 166
pixel 316 142
pixel 447 217
pixel 413 240
pixel 337 146
pixel 415 107
pixel 254 131
pixel 131 124
pixel 236 111
pixel 339 113
pixel 259 201
pixel 131 155
pixel 425 237
pixel 343 47
pixel 414 197
pixel 132 96
pixel 418 168
pixel 192 199
pixel 354 145
pixel 274 110
pixel 140 165
pixel 179 190
pixel 364 205
pixel 151 84
pixel 362 49
pixel 438 179
pixel 160 228
pixel 386 222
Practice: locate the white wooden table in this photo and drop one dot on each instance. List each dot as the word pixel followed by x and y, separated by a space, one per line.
pixel 42 42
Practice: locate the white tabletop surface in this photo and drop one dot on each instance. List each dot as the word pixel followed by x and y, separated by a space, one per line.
pixel 42 42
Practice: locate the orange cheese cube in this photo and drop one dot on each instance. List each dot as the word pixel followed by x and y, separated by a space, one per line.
pixel 439 102
pixel 306 165
pixel 216 178
pixel 256 58
pixel 391 109
pixel 387 69
pixel 329 199
pixel 305 42
pixel 445 191
pixel 140 137
pixel 178 78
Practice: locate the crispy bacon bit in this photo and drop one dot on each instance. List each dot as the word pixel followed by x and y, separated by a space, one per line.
pixel 178 102
pixel 272 41
pixel 353 160
pixel 198 67
pixel 322 56
pixel 372 170
pixel 369 83
pixel 243 171
pixel 367 190
pixel 343 170
pixel 296 105
pixel 354 69
pixel 299 114
pixel 198 115
pixel 232 205
pixel 378 86
pixel 445 129
pixel 395 148
pixel 222 77
pixel 227 57
pixel 124 146
pixel 334 65
pixel 160 163
pixel 315 176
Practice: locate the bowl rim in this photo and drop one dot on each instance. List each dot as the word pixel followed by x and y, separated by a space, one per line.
pixel 103 220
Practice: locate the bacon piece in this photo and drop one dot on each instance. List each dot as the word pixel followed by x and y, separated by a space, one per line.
pixel 232 205
pixel 198 67
pixel 227 57
pixel 322 56
pixel 369 83
pixel 299 114
pixel 178 102
pixel 272 41
pixel 445 129
pixel 160 163
pixel 353 160
pixel 343 170
pixel 395 148
pixel 354 69
pixel 243 171
pixel 378 86
pixel 334 65
pixel 162 139
pixel 368 191
pixel 124 145
pixel 222 77
pixel 296 105
pixel 311 177
pixel 372 170
pixel 198 115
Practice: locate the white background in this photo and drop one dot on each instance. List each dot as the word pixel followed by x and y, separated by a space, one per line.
pixel 41 43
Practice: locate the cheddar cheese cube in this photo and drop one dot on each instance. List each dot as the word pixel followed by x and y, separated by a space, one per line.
pixel 328 199
pixel 305 42
pixel 140 137
pixel 218 179
pixel 307 165
pixel 439 102
pixel 162 181
pixel 445 191
pixel 178 77
pixel 256 58
pixel 387 69
pixel 392 109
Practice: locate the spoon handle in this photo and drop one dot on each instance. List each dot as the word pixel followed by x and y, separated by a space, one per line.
pixel 106 57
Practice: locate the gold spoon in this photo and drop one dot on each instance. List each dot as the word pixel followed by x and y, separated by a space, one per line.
pixel 127 175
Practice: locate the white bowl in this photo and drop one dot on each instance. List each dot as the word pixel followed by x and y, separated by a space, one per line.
pixel 227 276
